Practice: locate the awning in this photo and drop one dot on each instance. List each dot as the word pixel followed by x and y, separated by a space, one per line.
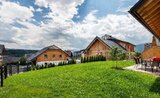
pixel 147 12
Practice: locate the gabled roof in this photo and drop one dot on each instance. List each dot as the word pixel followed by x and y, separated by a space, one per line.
pixel 108 41
pixel 148 14
pixel 34 56
pixel 2 49
pixel 109 37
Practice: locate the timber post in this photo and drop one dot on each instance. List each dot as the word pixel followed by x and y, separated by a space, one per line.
pixel 1 68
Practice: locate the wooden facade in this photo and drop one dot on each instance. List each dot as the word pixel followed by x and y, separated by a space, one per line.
pixel 127 46
pixel 98 48
pixel 52 55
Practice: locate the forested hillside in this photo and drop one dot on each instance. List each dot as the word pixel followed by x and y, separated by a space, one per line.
pixel 20 52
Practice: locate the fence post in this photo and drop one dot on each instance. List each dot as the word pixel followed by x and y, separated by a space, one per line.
pixel 10 70
pixel 5 71
pixel 1 68
pixel 27 67
pixel 17 68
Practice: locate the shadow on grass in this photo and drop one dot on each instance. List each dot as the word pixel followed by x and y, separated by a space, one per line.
pixel 117 68
pixel 156 86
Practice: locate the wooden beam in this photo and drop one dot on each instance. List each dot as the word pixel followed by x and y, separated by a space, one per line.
pixel 155 23
pixel 150 8
pixel 156 30
pixel 145 4
pixel 149 17
pixel 156 19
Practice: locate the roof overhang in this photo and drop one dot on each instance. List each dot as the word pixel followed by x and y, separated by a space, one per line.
pixel 147 12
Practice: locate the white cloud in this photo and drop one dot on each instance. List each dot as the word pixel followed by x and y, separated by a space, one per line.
pixel 61 30
pixel 60 9
pixel 9 12
pixel 124 27
pixel 34 36
pixel 39 10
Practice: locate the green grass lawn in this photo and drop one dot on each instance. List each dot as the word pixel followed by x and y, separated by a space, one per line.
pixel 93 80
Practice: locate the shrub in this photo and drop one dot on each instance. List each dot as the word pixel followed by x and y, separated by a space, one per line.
pixel 60 64
pixel 33 67
pixel 37 67
pixel 93 58
pixel 53 65
pixel 45 65
pixel 49 65
pixel 122 56
pixel 23 61
pixel 42 66
pixel 82 60
pixel 72 61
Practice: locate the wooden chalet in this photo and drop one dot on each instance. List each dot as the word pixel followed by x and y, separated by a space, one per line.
pixel 102 46
pixel 50 54
pixel 147 12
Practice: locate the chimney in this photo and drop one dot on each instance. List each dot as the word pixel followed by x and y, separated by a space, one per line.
pixel 106 36
pixel 154 41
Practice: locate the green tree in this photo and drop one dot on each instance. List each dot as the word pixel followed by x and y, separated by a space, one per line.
pixel 82 60
pixel 114 52
pixel 122 56
pixel 23 60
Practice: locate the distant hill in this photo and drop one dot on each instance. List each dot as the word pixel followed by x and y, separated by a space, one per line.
pixel 139 48
pixel 20 52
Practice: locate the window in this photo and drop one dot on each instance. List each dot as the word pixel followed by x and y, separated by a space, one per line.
pixel 54 55
pixel 60 56
pixel 45 56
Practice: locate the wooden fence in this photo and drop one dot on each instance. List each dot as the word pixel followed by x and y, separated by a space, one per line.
pixel 9 70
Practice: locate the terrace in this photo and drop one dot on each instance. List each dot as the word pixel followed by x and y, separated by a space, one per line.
pixel 147 12
pixel 147 66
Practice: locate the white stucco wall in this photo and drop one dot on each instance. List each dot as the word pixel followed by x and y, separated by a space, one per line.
pixel 48 62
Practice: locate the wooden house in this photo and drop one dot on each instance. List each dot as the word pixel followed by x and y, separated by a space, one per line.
pixel 102 46
pixel 147 12
pixel 50 54
pixel 78 54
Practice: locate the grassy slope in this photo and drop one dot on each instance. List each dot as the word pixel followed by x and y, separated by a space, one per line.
pixel 96 79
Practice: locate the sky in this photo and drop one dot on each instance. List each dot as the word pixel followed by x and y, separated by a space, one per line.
pixel 69 24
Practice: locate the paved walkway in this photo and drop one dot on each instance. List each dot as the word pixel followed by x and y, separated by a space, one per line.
pixel 139 68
